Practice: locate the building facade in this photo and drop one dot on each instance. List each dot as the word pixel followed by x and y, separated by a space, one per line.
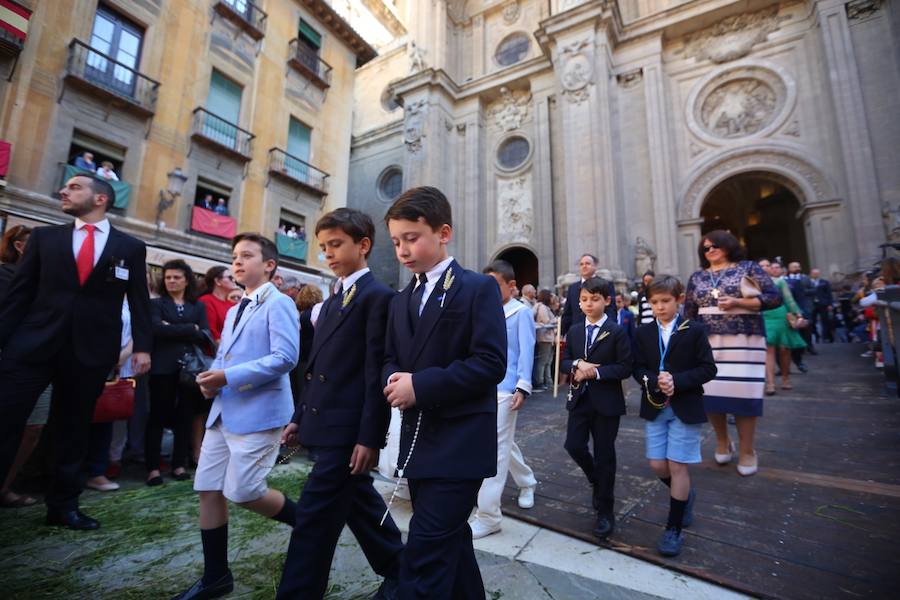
pixel 627 129
pixel 241 108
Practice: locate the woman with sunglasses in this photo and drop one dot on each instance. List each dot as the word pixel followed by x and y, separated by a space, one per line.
pixel 727 295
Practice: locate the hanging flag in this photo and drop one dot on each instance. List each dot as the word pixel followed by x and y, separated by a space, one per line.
pixel 14 19
pixel 206 221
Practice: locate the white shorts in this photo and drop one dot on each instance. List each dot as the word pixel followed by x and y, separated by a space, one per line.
pixel 236 464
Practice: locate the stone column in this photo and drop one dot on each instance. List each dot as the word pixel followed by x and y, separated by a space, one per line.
pixel 689 233
pixel 856 146
pixel 661 184
pixel 472 186
pixel 824 227
pixel 591 217
pixel 543 193
pixel 477 46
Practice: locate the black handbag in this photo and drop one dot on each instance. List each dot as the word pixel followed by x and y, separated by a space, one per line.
pixel 196 360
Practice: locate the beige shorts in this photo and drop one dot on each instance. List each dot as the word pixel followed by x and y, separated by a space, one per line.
pixel 236 464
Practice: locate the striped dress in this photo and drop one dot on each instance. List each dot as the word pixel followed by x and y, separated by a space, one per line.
pixel 738 338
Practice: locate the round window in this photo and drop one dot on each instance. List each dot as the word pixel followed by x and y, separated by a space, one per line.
pixel 390 184
pixel 512 49
pixel 513 152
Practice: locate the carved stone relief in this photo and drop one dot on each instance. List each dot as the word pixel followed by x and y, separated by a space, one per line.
pixel 512 108
pixel 414 125
pixel 515 214
pixel 858 10
pixel 644 257
pixel 416 57
pixel 511 12
pixel 576 70
pixel 630 79
pixel 733 37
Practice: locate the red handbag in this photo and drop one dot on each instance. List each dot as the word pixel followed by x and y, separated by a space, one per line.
pixel 116 402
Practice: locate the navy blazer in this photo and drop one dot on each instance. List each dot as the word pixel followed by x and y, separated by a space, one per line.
pixel 628 322
pixel 342 402
pixel 690 361
pixel 46 307
pixel 572 309
pixel 612 351
pixel 457 357
pixel 823 296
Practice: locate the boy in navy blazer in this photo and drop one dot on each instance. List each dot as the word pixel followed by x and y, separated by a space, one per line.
pixel 249 381
pixel 672 361
pixel 445 353
pixel 342 418
pixel 598 356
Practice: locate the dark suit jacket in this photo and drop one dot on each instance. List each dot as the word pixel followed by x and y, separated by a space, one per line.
pixel 342 402
pixel 612 351
pixel 689 360
pixel 7 270
pixel 823 295
pixel 628 322
pixel 802 290
pixel 171 341
pixel 572 309
pixel 46 307
pixel 457 356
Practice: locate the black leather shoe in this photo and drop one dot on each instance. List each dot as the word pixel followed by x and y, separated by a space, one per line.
pixel 73 519
pixel 605 526
pixel 199 591
pixel 803 368
pixel 388 590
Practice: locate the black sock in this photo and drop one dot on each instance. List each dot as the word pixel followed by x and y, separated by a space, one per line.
pixel 676 513
pixel 288 513
pixel 215 553
pixel 667 481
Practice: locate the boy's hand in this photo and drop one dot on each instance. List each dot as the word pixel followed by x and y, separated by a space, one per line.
pixel 399 392
pixel 208 393
pixel 214 379
pixel 585 371
pixel 291 435
pixel 666 383
pixel 363 459
pixel 518 400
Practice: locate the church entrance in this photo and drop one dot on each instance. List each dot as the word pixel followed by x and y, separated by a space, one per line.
pixel 762 212
pixel 524 262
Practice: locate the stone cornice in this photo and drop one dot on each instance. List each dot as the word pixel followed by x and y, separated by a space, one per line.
pixel 336 24
pixel 377 133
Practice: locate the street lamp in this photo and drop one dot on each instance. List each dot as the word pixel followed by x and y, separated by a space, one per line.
pixel 167 197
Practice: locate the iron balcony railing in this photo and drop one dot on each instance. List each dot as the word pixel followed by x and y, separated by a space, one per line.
pixel 245 14
pixel 300 171
pixel 306 60
pixel 111 76
pixel 227 135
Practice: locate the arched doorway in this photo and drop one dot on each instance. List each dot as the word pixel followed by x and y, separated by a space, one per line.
pixel 524 262
pixel 762 212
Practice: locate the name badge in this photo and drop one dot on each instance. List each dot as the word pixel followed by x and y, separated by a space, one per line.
pixel 122 273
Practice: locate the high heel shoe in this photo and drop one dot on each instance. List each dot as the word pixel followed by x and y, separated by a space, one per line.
pixel 770 389
pixel 751 469
pixel 786 385
pixel 724 459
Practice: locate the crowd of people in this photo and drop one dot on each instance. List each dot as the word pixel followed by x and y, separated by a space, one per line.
pixel 248 360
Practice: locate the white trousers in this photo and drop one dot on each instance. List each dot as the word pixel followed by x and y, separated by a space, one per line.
pixel 509 460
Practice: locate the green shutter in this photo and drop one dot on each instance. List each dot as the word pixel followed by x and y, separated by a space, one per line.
pixel 311 35
pixel 224 98
pixel 298 140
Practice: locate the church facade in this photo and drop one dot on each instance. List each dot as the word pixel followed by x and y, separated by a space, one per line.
pixel 626 129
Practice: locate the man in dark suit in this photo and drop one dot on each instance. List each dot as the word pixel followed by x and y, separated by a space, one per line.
pixel 823 298
pixel 587 266
pixel 61 323
pixel 802 290
pixel 445 353
pixel 598 355
pixel 343 419
pixel 624 317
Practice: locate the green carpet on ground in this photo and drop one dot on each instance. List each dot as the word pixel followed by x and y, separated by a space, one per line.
pixel 147 547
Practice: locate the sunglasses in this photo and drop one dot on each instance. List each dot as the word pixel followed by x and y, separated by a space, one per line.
pixel 710 248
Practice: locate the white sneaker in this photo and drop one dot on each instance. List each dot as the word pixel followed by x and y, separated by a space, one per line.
pixel 526 497
pixel 480 530
pixel 101 484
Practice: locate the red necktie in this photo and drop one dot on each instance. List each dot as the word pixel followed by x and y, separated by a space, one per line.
pixel 85 260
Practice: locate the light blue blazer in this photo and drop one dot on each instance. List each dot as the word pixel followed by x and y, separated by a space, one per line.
pixel 257 358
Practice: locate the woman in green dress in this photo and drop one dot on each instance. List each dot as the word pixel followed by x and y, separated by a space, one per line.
pixel 781 338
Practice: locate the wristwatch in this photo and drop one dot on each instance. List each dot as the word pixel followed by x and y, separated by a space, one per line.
pixel 523 392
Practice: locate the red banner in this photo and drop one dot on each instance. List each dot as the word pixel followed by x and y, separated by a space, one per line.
pixel 206 221
pixel 14 18
pixel 5 149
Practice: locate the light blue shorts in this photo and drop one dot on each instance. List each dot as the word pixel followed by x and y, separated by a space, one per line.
pixel 670 439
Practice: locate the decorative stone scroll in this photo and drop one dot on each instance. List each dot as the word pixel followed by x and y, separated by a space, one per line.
pixel 733 37
pixel 576 70
pixel 512 108
pixel 515 214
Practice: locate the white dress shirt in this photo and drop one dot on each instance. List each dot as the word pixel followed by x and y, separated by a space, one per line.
pixel 590 342
pixel 101 234
pixel 666 331
pixel 349 280
pixel 432 280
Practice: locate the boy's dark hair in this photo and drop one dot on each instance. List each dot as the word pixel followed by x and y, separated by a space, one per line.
pixel 427 203
pixel 268 247
pixel 190 292
pixel 648 272
pixel 501 268
pixel 665 284
pixel 596 285
pixel 355 223
pixel 724 240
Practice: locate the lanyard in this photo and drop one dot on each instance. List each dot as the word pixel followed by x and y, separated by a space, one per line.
pixel 664 348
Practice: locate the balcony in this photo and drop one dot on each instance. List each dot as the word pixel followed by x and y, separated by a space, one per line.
pixel 98 73
pixel 305 60
pixel 245 15
pixel 211 223
pixel 10 45
pixel 293 248
pixel 297 172
pixel 218 133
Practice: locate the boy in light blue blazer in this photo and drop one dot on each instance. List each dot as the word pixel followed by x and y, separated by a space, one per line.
pixel 249 381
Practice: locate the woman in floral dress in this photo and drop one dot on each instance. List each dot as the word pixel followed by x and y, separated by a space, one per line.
pixel 727 295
